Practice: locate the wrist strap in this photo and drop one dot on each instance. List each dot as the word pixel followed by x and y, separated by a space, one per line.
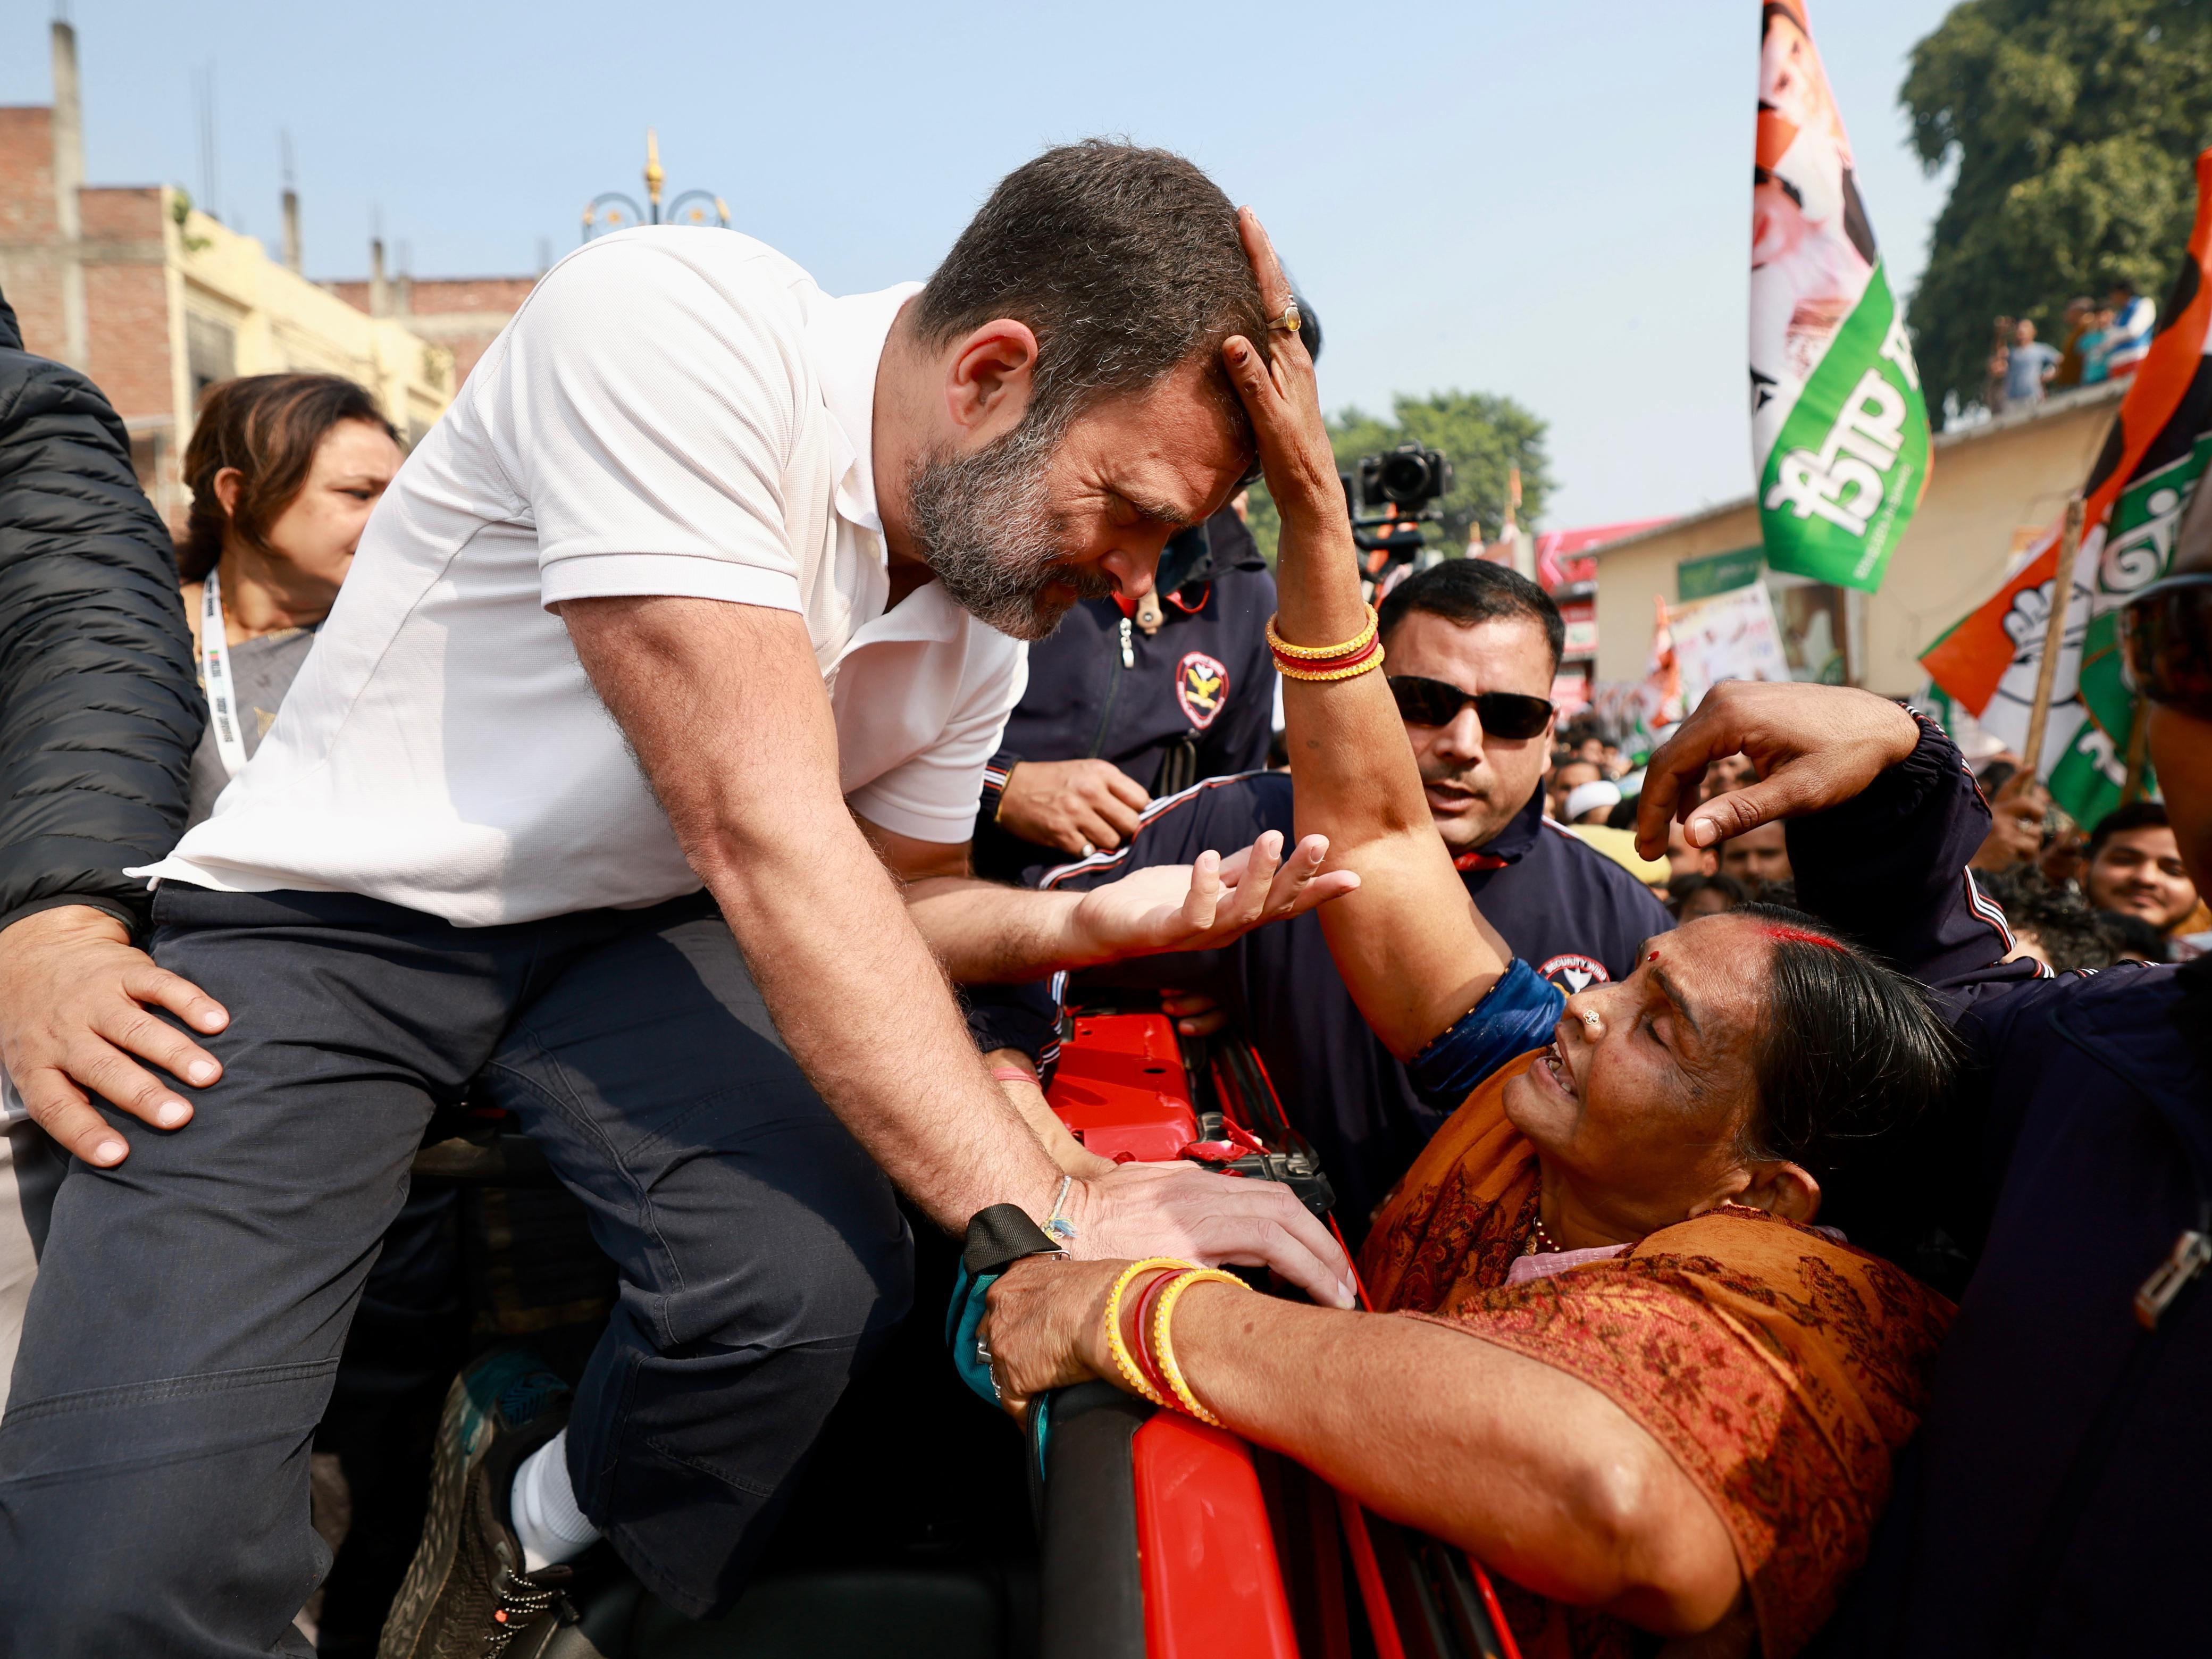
pixel 1056 1223
pixel 996 770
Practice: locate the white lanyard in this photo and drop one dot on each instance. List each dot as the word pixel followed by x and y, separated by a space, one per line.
pixel 215 675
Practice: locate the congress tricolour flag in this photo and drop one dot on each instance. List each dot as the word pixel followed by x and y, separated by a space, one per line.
pixel 1839 428
pixel 2131 510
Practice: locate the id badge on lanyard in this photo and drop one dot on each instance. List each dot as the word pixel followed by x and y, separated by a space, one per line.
pixel 214 674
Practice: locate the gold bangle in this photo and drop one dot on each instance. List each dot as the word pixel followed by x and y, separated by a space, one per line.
pixel 1366 665
pixel 1163 1348
pixel 1314 652
pixel 1121 1349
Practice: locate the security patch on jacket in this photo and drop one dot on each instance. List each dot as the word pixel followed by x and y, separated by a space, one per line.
pixel 1201 687
pixel 1572 972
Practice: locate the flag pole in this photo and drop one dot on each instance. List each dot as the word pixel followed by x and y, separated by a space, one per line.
pixel 2138 747
pixel 2054 636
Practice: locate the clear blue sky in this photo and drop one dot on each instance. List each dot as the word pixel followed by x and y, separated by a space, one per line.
pixel 1550 201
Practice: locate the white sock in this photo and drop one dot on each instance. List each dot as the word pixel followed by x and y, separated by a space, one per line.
pixel 542 1506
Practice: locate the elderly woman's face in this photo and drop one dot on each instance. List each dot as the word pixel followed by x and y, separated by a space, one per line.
pixel 1649 1082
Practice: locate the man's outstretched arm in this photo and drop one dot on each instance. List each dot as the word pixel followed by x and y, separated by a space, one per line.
pixel 724 706
pixel 985 933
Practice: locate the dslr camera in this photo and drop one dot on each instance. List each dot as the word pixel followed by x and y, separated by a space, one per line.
pixel 1389 495
pixel 1412 478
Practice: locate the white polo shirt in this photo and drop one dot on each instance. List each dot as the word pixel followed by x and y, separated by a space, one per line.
pixel 673 410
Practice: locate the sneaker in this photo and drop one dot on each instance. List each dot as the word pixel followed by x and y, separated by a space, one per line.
pixel 466 1595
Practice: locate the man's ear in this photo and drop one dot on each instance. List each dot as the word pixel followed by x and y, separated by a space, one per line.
pixel 988 377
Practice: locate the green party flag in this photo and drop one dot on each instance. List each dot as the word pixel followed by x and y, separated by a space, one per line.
pixel 1839 428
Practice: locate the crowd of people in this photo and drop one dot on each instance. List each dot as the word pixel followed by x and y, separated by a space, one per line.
pixel 2104 340
pixel 2085 898
pixel 2074 896
pixel 714 760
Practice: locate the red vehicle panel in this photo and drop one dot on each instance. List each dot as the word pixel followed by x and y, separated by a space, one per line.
pixel 1212 1517
pixel 1213 1588
pixel 1122 1089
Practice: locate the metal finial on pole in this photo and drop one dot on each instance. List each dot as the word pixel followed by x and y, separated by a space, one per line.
pixel 2054 638
pixel 612 210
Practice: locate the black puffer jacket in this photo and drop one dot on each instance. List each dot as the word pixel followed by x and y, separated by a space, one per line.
pixel 99 709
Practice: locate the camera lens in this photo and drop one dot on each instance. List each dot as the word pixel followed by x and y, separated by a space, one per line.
pixel 1404 478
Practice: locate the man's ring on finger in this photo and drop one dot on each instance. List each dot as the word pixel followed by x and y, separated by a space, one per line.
pixel 1289 323
pixel 1088 849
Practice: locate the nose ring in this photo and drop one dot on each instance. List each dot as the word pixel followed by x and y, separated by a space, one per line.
pixel 1589 1020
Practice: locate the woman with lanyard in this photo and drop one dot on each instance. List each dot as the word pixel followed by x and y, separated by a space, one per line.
pixel 284 471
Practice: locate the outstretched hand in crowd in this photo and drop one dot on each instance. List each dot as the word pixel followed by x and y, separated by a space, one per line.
pixel 1814 747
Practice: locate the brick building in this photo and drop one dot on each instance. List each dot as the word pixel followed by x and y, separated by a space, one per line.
pixel 156 300
pixel 464 314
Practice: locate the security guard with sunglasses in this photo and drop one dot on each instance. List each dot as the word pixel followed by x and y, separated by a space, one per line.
pixel 1471 652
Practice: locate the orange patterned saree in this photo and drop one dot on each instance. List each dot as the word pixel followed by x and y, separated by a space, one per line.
pixel 1782 1370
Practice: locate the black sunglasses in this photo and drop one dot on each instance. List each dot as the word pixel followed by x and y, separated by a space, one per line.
pixel 2165 643
pixel 1437 702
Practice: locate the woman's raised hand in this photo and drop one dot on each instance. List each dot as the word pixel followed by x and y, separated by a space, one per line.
pixel 1282 397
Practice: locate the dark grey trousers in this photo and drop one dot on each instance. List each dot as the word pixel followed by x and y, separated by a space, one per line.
pixel 191 1307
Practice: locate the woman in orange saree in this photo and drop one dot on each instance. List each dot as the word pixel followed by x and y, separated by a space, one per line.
pixel 1615 1360
pixel 1778 1368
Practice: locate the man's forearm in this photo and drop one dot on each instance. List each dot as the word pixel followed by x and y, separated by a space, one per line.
pixel 723 705
pixel 987 935
pixel 868 1015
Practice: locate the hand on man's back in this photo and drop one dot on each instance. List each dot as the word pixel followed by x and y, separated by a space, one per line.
pixel 75 997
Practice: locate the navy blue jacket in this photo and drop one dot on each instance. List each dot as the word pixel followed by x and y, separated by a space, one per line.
pixel 1571 913
pixel 2058 1497
pixel 1194 700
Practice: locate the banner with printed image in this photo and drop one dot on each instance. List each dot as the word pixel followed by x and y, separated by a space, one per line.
pixel 1839 427
pixel 2132 505
pixel 1730 636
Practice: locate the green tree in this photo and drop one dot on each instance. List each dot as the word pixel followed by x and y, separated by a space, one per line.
pixel 1483 435
pixel 2073 124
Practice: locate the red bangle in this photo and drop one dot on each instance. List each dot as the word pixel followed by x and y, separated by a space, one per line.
pixel 1012 1074
pixel 1147 1362
pixel 1312 667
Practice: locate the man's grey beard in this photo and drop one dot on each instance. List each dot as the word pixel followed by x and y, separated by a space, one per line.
pixel 984 521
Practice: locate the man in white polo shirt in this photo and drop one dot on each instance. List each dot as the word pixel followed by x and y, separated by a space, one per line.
pixel 578 670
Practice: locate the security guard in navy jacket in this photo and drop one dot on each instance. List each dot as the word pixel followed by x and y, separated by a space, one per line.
pixel 1130 701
